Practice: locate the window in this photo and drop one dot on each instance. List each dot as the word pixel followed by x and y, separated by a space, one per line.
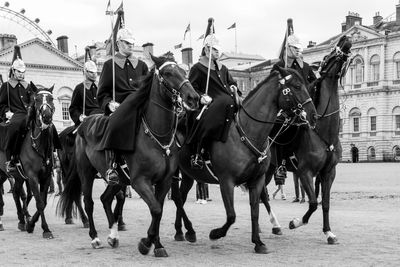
pixel 371 153
pixel 355 115
pixel 65 110
pixel 340 125
pixel 375 68
pixel 359 69
pixel 372 119
pixel 396 153
pixel 396 60
pixel 396 120
pixel 356 124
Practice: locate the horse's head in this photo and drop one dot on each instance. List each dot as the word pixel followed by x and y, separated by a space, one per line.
pixel 333 65
pixel 43 105
pixel 294 96
pixel 175 81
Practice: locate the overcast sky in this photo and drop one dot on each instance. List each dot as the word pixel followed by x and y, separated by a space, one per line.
pixel 260 23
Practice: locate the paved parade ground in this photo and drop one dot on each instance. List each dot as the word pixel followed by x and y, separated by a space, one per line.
pixel 365 216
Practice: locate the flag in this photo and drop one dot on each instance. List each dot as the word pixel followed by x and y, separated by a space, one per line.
pixel 233 26
pixel 210 27
pixel 187 29
pixel 178 46
pixel 108 9
pixel 119 23
pixel 201 37
pixel 289 31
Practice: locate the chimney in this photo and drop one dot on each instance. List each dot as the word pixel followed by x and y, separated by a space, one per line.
pixel 148 49
pixel 92 51
pixel 352 19
pixel 187 56
pixel 311 44
pixel 7 40
pixel 343 26
pixel 62 44
pixel 377 18
pixel 398 12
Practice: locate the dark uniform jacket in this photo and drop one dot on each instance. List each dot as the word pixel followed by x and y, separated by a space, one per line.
pixel 18 94
pixel 91 104
pixel 216 120
pixel 120 131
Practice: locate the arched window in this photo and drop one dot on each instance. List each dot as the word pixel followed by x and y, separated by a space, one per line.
pixel 372 119
pixel 64 96
pixel 396 60
pixel 396 120
pixel 375 61
pixel 355 115
pixel 359 70
pixel 371 153
pixel 396 152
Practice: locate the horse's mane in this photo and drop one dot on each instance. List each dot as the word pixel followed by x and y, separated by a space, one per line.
pixel 144 85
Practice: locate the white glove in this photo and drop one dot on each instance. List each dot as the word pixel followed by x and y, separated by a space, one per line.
pixel 233 88
pixel 113 106
pixel 205 99
pixel 82 117
pixel 9 115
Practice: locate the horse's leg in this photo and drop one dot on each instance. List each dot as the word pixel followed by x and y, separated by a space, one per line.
pixel 18 194
pixel 43 192
pixel 326 184
pixel 2 179
pixel 307 182
pixel 87 188
pixel 179 196
pixel 154 201
pixel 276 227
pixel 34 186
pixel 227 191
pixel 107 198
pixel 119 207
pixel 255 190
pixel 82 213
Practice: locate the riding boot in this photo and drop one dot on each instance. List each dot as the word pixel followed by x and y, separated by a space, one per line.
pixel 111 173
pixel 196 160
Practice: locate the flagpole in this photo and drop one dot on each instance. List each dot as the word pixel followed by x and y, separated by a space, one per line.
pixel 190 36
pixel 236 39
pixel 110 13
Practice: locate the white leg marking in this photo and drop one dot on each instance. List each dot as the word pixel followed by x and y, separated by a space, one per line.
pixel 274 220
pixel 114 231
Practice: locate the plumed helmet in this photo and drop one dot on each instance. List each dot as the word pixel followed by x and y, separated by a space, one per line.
pixel 89 64
pixel 125 34
pixel 210 37
pixel 17 63
pixel 293 40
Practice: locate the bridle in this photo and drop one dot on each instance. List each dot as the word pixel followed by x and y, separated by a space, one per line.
pixel 43 107
pixel 298 110
pixel 178 106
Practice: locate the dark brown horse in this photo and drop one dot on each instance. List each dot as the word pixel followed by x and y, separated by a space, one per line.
pixel 154 160
pixel 245 156
pixel 36 161
pixel 318 151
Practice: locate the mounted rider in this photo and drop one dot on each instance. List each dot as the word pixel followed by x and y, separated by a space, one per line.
pixel 218 91
pixel 84 98
pixel 120 131
pixel 291 57
pixel 15 99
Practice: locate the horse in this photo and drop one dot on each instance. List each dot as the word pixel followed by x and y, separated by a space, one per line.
pixel 36 161
pixel 318 150
pixel 245 156
pixel 153 162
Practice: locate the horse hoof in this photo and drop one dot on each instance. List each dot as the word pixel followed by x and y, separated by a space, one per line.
pixel 122 227
pixel 48 235
pixel 69 221
pixel 96 243
pixel 113 242
pixel 277 231
pixel 215 234
pixel 332 240
pixel 261 249
pixel 191 237
pixel 21 227
pixel 143 248
pixel 1 227
pixel 86 225
pixel 29 228
pixel 179 237
pixel 291 225
pixel 160 253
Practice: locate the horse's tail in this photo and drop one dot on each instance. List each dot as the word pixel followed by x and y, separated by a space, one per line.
pixel 72 191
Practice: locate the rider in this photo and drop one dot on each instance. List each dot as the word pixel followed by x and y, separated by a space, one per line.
pixel 295 61
pixel 15 98
pixel 219 100
pixel 128 70
pixel 85 93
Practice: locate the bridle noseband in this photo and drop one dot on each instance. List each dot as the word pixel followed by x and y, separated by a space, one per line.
pixel 43 106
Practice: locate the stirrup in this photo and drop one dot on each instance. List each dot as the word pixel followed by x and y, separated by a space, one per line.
pixel 112 177
pixel 196 161
pixel 10 166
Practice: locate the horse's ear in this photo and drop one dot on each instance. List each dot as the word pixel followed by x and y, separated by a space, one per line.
pixel 51 89
pixel 282 71
pixel 33 87
pixel 157 61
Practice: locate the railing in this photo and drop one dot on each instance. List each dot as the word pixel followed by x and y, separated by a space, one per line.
pixel 369 84
pixel 396 82
pixel 355 135
pixel 357 86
